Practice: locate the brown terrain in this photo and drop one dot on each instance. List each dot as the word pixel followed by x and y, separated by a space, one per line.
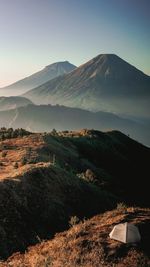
pixel 50 181
pixel 14 150
pixel 87 244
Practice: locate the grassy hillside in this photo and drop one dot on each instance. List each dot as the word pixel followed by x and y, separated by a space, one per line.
pixel 88 244
pixel 46 178
pixel 39 203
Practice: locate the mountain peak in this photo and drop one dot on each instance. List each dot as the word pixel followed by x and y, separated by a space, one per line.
pixel 112 67
pixel 107 58
pixel 109 55
pixel 105 82
pixel 60 63
pixel 48 73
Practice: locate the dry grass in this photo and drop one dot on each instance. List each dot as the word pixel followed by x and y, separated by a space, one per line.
pixel 16 149
pixel 35 187
pixel 88 245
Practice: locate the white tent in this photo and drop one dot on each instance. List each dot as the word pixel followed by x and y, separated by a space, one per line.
pixel 126 233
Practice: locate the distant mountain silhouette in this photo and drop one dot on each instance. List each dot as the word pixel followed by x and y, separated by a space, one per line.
pixel 49 72
pixel 105 83
pixel 13 102
pixel 46 117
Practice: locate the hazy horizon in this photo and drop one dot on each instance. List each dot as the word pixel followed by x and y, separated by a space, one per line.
pixel 37 33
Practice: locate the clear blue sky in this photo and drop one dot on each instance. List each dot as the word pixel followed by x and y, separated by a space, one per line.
pixel 35 33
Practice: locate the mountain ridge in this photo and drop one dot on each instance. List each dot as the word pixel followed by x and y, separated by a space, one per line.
pixel 40 118
pixel 12 102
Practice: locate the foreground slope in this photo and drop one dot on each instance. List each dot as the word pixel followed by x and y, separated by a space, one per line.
pixel 49 72
pixel 39 203
pixel 88 244
pixel 46 117
pixel 46 178
pixel 105 83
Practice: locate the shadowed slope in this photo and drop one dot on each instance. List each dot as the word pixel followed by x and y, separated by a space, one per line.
pixel 88 244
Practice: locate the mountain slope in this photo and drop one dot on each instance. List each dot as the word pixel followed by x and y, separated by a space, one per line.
pixel 104 83
pixel 46 117
pixel 46 178
pixel 12 102
pixel 38 78
pixel 88 244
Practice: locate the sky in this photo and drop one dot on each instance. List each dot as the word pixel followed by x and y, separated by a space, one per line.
pixel 36 33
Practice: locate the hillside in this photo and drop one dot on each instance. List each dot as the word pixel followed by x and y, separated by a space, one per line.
pixel 12 102
pixel 88 244
pixel 106 83
pixel 40 202
pixel 47 178
pixel 46 117
pixel 49 72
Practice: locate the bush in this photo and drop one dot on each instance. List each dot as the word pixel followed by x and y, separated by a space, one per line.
pixel 4 153
pixel 89 175
pixel 121 206
pixel 54 132
pixel 23 161
pixel 16 165
pixel 73 220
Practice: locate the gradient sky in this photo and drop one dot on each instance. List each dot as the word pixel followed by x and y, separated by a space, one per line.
pixel 35 33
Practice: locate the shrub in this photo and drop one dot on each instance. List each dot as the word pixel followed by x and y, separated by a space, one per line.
pixel 4 153
pixel 89 175
pixel 73 220
pixel 54 132
pixel 16 165
pixel 121 206
pixel 23 161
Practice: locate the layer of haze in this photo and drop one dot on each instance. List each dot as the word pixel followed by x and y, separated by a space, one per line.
pixel 35 33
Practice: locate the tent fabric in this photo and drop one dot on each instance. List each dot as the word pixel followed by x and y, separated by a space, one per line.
pixel 126 233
